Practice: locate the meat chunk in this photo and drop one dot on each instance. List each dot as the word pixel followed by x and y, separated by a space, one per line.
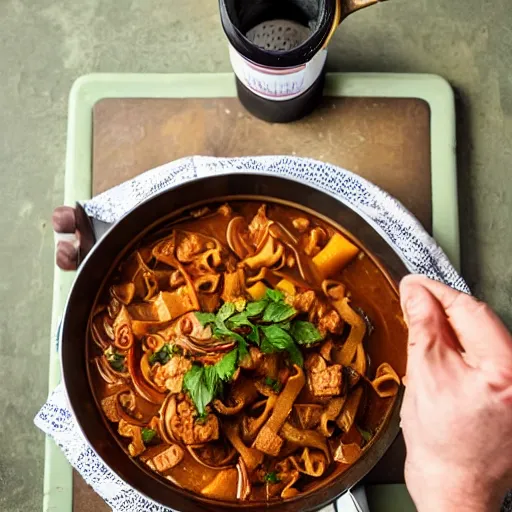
pixel 258 226
pixel 320 312
pixel 330 322
pixel 187 429
pixel 189 246
pixel 109 406
pixel 314 242
pixel 234 286
pixel 323 380
pixel 253 360
pixel 136 447
pixel 300 224
pixel 171 374
pixel 303 302
pixel 169 458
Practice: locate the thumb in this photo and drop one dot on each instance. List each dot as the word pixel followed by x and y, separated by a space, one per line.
pixel 432 341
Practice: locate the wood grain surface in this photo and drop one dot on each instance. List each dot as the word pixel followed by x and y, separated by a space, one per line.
pixel 385 140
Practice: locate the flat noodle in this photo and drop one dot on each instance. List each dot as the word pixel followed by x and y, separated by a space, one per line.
pixel 386 382
pixel 348 415
pixel 268 440
pixel 357 331
pixel 220 350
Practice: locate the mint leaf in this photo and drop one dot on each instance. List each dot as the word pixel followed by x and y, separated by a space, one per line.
pixel 305 332
pixel 274 295
pixel 212 380
pixel 205 318
pixel 204 383
pixel 240 320
pixel 227 366
pixel 256 308
pixel 277 340
pixel 277 312
pixel 200 392
pixel 295 355
pixel 226 310
pixel 285 325
pixel 243 351
pixel 147 435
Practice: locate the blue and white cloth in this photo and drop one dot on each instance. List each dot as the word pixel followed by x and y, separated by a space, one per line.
pixel 417 248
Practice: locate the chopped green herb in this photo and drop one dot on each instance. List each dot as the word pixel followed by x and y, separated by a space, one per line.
pixel 277 312
pixel 271 478
pixel 365 434
pixel 304 332
pixel 256 308
pixel 274 295
pixel 148 434
pixel 205 318
pixel 115 360
pixel 273 383
pixel 277 339
pixel 164 354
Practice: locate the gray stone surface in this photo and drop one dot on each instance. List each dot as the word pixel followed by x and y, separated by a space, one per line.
pixel 46 44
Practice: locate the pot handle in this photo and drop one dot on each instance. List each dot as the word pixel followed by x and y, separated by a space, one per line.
pixel 75 235
pixel 353 501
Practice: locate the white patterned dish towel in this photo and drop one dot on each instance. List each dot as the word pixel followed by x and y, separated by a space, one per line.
pixel 417 248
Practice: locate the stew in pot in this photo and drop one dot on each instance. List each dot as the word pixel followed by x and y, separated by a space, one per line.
pixel 238 352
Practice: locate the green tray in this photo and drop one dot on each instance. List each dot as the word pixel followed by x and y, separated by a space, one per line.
pixel 87 90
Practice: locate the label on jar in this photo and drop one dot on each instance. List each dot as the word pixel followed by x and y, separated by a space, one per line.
pixel 277 84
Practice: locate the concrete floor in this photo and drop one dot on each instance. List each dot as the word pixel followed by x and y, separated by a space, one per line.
pixel 46 45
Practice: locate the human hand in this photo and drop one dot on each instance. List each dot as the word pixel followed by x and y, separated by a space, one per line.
pixel 64 225
pixel 457 409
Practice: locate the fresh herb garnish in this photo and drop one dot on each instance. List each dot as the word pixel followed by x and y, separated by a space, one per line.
pixel 274 384
pixel 148 434
pixel 367 436
pixel 271 478
pixel 274 295
pixel 201 418
pixel 164 354
pixel 204 383
pixel 277 312
pixel 205 318
pixel 116 360
pixel 304 332
pixel 256 308
pixel 241 320
pixel 277 340
pixel 226 367
pixel 226 310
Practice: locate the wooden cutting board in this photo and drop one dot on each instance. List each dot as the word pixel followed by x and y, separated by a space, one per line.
pixel 386 140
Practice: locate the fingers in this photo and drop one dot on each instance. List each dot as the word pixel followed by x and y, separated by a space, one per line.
pixel 63 220
pixel 67 255
pixel 479 330
pixel 64 225
pixel 433 348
